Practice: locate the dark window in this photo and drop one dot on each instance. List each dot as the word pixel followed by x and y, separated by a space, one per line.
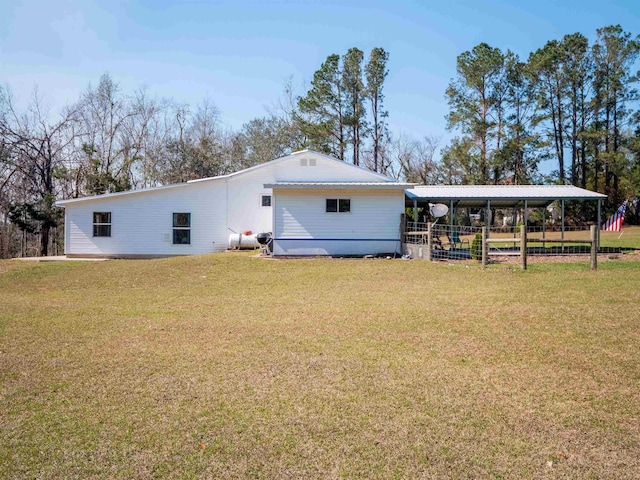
pixel 101 217
pixel 101 224
pixel 266 200
pixel 338 205
pixel 181 228
pixel 181 220
pixel 181 236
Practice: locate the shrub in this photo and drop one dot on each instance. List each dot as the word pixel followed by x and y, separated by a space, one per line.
pixel 476 247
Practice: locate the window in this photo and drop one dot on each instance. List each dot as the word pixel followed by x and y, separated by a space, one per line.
pixel 310 162
pixel 265 200
pixel 181 228
pixel 101 224
pixel 338 205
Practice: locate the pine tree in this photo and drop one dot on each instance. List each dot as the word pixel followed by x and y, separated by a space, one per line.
pixel 325 110
pixel 577 71
pixel 518 153
pixel 354 99
pixel 614 53
pixel 547 66
pixel 475 99
pixel 376 73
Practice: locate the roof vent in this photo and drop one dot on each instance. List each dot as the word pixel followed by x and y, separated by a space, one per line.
pixel 312 162
pixel 303 162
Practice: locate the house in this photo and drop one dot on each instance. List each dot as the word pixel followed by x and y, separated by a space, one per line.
pixel 314 205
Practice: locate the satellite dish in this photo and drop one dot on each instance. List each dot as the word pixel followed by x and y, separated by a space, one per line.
pixel 438 209
pixel 555 212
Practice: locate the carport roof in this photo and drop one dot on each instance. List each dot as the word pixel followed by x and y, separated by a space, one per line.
pixel 499 195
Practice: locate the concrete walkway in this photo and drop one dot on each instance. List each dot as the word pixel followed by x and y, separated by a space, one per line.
pixel 60 258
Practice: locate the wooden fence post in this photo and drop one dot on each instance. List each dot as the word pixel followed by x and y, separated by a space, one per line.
pixel 523 247
pixel 429 241
pixel 594 247
pixel 484 247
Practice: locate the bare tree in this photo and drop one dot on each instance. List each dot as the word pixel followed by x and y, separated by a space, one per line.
pixel 143 134
pixel 36 145
pixel 401 152
pixel 104 112
pixel 421 167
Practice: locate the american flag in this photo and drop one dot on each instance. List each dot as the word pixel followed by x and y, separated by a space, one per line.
pixel 614 224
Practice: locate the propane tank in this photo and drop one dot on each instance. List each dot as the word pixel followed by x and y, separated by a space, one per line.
pixel 238 241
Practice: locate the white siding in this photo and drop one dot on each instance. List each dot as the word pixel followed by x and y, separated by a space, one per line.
pixel 245 212
pixel 303 227
pixel 142 224
pixel 334 247
pixel 244 208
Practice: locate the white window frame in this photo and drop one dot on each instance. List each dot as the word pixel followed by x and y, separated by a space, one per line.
pixel 182 228
pixel 338 200
pixel 101 224
pixel 262 200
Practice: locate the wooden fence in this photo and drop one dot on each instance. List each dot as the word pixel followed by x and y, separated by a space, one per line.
pixel 524 241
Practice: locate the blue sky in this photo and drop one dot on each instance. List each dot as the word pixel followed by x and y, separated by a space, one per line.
pixel 240 53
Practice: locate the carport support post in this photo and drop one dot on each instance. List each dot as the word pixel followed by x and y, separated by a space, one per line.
pixel 485 234
pixel 451 218
pixel 523 247
pixel 487 216
pixel 415 214
pixel 429 241
pixel 544 226
pixel 562 223
pixel 594 246
pixel 598 225
pixel 523 238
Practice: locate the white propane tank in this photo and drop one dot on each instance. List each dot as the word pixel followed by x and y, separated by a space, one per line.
pixel 240 241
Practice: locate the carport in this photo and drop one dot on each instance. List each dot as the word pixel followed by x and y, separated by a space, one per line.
pixel 500 196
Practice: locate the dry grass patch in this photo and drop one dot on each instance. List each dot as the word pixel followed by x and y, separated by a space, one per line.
pixel 227 366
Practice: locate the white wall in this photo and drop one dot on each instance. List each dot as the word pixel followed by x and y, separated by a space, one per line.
pixel 303 227
pixel 142 223
pixel 244 208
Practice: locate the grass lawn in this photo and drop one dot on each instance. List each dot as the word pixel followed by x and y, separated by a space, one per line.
pixel 229 366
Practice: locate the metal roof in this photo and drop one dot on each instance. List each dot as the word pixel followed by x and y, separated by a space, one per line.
pixel 301 153
pixel 340 185
pixel 62 203
pixel 500 195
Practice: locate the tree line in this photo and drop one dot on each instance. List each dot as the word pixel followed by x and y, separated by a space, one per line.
pixel 571 102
